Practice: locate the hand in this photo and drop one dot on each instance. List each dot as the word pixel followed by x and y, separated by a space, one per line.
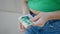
pixel 40 19
pixel 21 27
pixel 45 16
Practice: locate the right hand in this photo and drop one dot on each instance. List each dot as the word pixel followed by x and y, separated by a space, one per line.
pixel 21 27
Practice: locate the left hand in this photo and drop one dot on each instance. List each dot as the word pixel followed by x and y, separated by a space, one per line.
pixel 40 19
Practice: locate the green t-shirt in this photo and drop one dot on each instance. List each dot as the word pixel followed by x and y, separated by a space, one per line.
pixel 44 5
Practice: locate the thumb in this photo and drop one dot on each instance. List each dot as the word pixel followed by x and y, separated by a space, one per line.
pixel 22 28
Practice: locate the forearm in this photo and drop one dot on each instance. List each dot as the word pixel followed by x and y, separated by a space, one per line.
pixel 54 16
pixel 24 8
pixel 46 17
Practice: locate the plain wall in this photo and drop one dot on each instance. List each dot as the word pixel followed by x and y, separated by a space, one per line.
pixel 10 10
pixel 9 23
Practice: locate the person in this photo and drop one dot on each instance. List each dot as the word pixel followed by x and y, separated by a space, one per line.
pixel 50 11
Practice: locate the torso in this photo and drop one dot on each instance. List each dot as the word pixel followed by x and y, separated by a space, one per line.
pixel 35 12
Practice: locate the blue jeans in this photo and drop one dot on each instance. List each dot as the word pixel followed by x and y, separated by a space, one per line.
pixel 50 27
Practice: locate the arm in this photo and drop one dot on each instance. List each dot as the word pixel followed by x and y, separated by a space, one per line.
pixel 21 27
pixel 24 8
pixel 43 17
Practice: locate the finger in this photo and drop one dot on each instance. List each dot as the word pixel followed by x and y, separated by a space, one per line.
pixel 41 21
pixel 22 28
pixel 35 18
